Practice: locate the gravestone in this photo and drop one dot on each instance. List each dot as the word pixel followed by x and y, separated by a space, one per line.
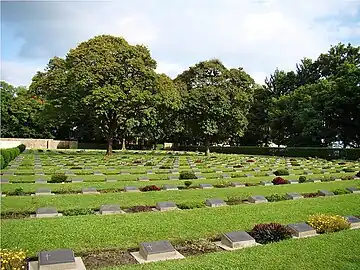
pixel 46 212
pixel 90 190
pixel 293 182
pixel 266 183
pixel 236 240
pixel 225 176
pixel 294 196
pixel 40 181
pixel 174 171
pixel 98 173
pixel 206 186
pixel 170 187
pixel 143 178
pixel 353 189
pixel 4 180
pixel 39 173
pixel 270 174
pixel 124 173
pixel 237 184
pixel 69 173
pixel 218 171
pixel 249 175
pixel 77 180
pixel 149 172
pixel 326 193
pixel 215 202
pixel 199 176
pixel 301 230
pixel 111 179
pixel 166 206
pixel 173 177
pixel 110 209
pixel 257 199
pixel 43 191
pixel 354 222
pixel 315 180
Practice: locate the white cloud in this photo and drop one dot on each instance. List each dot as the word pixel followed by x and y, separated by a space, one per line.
pixel 170 69
pixel 18 73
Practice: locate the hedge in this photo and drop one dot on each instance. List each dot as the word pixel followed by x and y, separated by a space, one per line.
pixel 8 154
pixel 320 152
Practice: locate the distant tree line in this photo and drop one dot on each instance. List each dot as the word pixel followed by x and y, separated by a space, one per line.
pixel 106 90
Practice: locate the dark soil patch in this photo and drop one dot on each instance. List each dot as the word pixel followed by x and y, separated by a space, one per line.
pixel 104 258
pixel 191 248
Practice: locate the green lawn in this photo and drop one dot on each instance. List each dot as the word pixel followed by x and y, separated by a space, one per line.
pixel 325 252
pixel 82 233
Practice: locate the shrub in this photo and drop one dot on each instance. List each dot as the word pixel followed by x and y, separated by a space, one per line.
pixel 328 178
pixel 18 191
pixel 190 205
pixel 302 179
pixel 311 195
pixel 140 208
pixel 12 259
pixel 233 200
pixel 341 191
pixel 40 150
pixel 275 198
pixel 251 184
pixel 349 170
pixel 358 174
pixel 187 175
pixel 325 223
pixel 78 212
pixel 279 181
pixel 76 168
pixel 250 160
pixel 237 166
pixel 5 153
pixel 58 178
pixel 150 188
pixel 137 161
pixel 21 147
pixel 347 177
pixel 295 164
pixel 188 183
pixel 272 232
pixel 280 172
pixel 149 164
pixel 292 159
pixel 2 162
pixel 165 167
pixel 198 161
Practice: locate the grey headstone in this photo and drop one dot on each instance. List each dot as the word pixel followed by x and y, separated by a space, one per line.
pixel 173 177
pixel 199 176
pixel 301 229
pixel 107 209
pixel 225 176
pixel 315 180
pixel 294 196
pixel 249 175
pixel 170 187
pixel 57 259
pixel 131 189
pixel 293 182
pixel 150 172
pixel 46 212
pixel 40 181
pixel 98 173
pixel 237 239
pixel 111 179
pixel 89 190
pixel 124 173
pixel 77 180
pixel 215 202
pixel 43 191
pixel 4 180
pixel 166 206
pixel 143 178
pixel 354 221
pixel 257 199
pixel 266 183
pixel 159 249
pixel 237 184
pixel 326 193
pixel 205 186
pixel 353 189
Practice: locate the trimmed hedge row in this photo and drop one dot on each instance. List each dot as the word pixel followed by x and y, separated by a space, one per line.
pixel 8 154
pixel 320 152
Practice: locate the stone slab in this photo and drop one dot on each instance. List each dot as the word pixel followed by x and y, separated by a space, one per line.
pixel 131 189
pixel 143 178
pixel 78 264
pixel 294 196
pixel 301 230
pixel 206 186
pixel 166 206
pixel 90 190
pixel 326 193
pixel 237 184
pixel 215 202
pixel 238 239
pixel 43 191
pixel 170 187
pixel 257 199
pixel 110 209
pixel 353 189
pixel 46 212
pixel 266 183
pixel 354 222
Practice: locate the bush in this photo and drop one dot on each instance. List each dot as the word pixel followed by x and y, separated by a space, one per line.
pixel 150 188
pixel 302 179
pixel 349 170
pixel 187 175
pixel 18 191
pixel 165 167
pixel 190 205
pixel 149 164
pixel 188 183
pixel 347 177
pixel 328 178
pixel 2 162
pixel 58 178
pixel 237 166
pixel 12 259
pixel 198 161
pixel 140 208
pixel 275 198
pixel 279 181
pixel 280 172
pixel 76 168
pixel 311 195
pixel 78 212
pixel 341 191
pixel 22 147
pixel 5 153
pixel 233 200
pixel 295 164
pixel 324 223
pixel 250 160
pixel 268 233
pixel 358 174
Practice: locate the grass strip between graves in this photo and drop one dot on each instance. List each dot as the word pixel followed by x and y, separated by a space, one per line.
pixel 82 233
pixel 329 251
pixel 63 202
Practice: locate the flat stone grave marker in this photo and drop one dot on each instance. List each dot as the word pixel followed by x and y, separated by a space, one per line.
pixel 293 182
pixel 215 202
pixel 156 251
pixel 69 173
pixel 353 189
pixel 199 176
pixel 196 171
pixel 354 222
pixel 39 173
pixel 46 212
pixel 257 199
pixel 111 179
pixel 236 240
pixel 173 177
pixel 315 180
pixel 249 175
pixel 256 169
pixel 150 172
pixel 270 174
pixel 8 173
pixel 43 191
pixel 237 184
pixel 229 167
pixel 110 209
pixel 4 180
pixel 170 187
pixel 174 171
pixel 77 180
pixel 308 172
pixel 131 189
pixel 225 176
pixel 206 186
pixel 301 230
pixel 124 173
pixel 40 181
pixel 88 168
pixel 166 206
pixel 98 173
pixel 266 183
pixel 294 196
pixel 143 178
pixel 90 190
pixel 325 193
pixel 218 171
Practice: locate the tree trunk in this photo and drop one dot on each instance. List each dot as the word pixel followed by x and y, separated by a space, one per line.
pixel 109 150
pixel 123 146
pixel 207 148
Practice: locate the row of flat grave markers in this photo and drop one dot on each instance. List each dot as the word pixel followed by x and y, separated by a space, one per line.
pixel 62 259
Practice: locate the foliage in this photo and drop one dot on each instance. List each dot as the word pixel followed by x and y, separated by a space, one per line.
pixel 8 154
pixel 140 208
pixel 280 172
pixel 2 162
pixel 78 212
pixel 149 164
pixel 190 205
pixel 325 223
pixel 349 170
pixel 150 188
pixel 187 175
pixel 12 259
pixel 233 200
pixel 279 181
pixel 268 233
pixel 302 179
pixel 341 191
pixel 22 147
pixel 164 167
pixel 58 178
pixel 187 183
pixel 358 174
pixel 275 198
pixel 18 191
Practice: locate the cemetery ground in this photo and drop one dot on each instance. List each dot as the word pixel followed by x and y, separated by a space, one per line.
pixel 82 182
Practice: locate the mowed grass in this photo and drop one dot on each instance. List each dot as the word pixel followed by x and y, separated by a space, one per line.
pixel 325 252
pixel 84 233
pixel 71 201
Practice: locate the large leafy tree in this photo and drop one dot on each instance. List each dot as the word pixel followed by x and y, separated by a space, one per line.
pixel 216 101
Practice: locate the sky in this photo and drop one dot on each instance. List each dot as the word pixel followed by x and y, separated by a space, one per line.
pixel 258 35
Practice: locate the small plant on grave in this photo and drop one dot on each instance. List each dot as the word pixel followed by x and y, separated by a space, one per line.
pixel 328 178
pixel 358 174
pixel 12 259
pixel 238 166
pixel 251 184
pixel 187 175
pixel 311 195
pixel 76 168
pixel 164 167
pixel 325 223
pixel 137 161
pixel 276 198
pixel 233 200
pixel 302 179
pixel 198 161
pixel 222 184
pixel 281 172
pixel 349 170
pixel 18 191
pixel 149 164
pixel 250 160
pixel 188 183
pixel 279 181
pixel 195 247
pixel 341 191
pixel 347 177
pixel 78 212
pixel 150 188
pixel 268 233
pixel 190 205
pixel 139 208
pixel 58 178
